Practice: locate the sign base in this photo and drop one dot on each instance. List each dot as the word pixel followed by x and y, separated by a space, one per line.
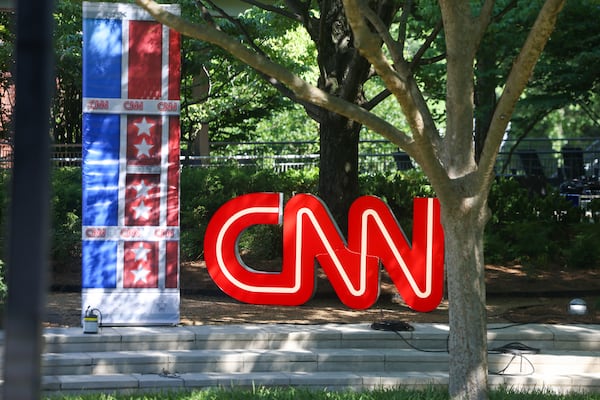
pixel 148 307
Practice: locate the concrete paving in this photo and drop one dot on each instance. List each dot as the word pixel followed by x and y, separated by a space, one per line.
pixel 558 358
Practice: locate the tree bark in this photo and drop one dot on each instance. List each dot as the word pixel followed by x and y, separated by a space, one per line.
pixel 485 95
pixel 338 166
pixel 463 232
pixel 343 72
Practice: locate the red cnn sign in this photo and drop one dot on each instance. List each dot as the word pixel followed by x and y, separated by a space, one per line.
pixel 309 233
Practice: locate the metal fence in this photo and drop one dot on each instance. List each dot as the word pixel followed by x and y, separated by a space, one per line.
pixel 6 153
pixel 555 160
pixel 374 155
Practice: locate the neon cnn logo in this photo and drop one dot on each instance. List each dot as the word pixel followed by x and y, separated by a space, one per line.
pixel 309 234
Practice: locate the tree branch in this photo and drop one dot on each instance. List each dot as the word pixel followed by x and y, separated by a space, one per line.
pixel 403 87
pixel 432 60
pixel 528 128
pixel 505 10
pixel 299 9
pixel 277 10
pixel 484 19
pixel 311 110
pixel 516 82
pixel 590 112
pixel 403 25
pixel 206 15
pixel 460 31
pixel 381 96
pixel 301 88
pixel 426 45
pixel 299 12
pixel 393 47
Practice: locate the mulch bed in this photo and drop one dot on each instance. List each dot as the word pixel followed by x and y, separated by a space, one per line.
pixel 514 296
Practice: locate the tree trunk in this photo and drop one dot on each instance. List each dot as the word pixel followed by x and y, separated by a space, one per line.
pixel 338 173
pixel 485 95
pixel 463 232
pixel 342 73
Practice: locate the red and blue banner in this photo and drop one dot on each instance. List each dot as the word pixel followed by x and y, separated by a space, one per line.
pixel 130 233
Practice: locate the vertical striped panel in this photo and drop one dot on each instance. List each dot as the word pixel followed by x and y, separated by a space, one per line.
pixel 130 235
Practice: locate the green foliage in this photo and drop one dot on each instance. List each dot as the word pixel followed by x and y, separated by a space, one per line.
pixel 528 242
pixel 398 189
pixel 4 202
pixel 564 79
pixel 262 242
pixel 538 230
pixel 66 104
pixel 239 98
pixel 583 251
pixel 7 58
pixel 3 287
pixel 66 217
pixel 511 202
pixel 204 190
pixel 288 124
pixel 535 230
pixel 240 104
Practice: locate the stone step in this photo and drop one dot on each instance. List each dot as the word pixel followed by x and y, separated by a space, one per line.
pixel 334 356
pixel 138 383
pixel 288 336
pixel 303 360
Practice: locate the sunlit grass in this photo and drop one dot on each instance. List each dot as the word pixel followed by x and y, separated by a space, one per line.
pixel 264 393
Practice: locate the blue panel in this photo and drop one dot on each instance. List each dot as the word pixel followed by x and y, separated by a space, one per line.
pixel 102 47
pixel 100 169
pixel 99 264
pixel 100 197
pixel 101 137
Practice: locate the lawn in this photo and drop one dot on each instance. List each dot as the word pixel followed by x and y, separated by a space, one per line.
pixel 263 393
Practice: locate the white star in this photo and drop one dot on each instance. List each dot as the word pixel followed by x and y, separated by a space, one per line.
pixel 141 253
pixel 142 189
pixel 140 274
pixel 142 211
pixel 144 148
pixel 143 127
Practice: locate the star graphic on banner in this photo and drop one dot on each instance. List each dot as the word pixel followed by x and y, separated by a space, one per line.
pixel 144 148
pixel 143 127
pixel 140 274
pixel 141 253
pixel 142 211
pixel 142 189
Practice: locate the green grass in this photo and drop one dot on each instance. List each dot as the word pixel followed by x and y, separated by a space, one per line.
pixel 262 393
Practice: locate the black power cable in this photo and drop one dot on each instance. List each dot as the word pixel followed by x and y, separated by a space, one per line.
pixel 515 349
pixel 394 326
pixel 401 326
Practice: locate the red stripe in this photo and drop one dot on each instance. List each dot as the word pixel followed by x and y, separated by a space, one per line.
pixel 174 64
pixel 144 147
pixel 173 173
pixel 145 60
pixel 145 82
pixel 142 209
pixel 172 269
pixel 132 277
